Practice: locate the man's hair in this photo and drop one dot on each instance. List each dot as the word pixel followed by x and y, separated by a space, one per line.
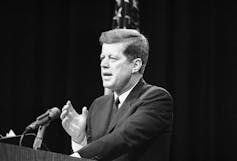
pixel 137 44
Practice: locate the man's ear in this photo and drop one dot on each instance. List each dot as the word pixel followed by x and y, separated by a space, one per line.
pixel 137 64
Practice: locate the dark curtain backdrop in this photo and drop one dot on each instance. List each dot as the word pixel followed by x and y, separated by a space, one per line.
pixel 50 54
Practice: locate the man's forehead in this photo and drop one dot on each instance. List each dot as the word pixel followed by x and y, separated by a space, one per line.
pixel 113 47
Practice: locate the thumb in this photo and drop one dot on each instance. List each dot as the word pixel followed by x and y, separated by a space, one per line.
pixel 69 103
pixel 84 111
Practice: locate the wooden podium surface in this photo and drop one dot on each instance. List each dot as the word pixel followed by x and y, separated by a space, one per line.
pixel 10 152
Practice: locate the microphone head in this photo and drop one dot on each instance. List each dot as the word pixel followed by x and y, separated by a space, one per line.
pixel 54 113
pixel 45 118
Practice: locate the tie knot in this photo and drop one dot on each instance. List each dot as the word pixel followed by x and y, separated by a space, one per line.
pixel 116 102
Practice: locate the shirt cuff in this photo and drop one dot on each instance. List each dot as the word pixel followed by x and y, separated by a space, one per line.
pixel 76 146
pixel 76 155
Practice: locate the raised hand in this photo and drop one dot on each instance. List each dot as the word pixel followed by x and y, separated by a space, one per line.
pixel 74 123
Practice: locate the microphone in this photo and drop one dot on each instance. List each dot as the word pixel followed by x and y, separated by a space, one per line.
pixel 45 118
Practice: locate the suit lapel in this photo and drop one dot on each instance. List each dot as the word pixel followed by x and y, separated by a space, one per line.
pixel 132 97
pixel 102 115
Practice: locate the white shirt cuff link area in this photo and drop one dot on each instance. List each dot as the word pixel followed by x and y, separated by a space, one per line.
pixel 76 146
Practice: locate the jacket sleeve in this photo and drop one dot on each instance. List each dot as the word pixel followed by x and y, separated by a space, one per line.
pixel 152 115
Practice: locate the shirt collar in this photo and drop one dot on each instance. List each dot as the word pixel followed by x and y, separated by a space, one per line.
pixel 123 96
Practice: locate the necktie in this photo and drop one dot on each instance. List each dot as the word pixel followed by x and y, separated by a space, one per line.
pixel 115 107
pixel 116 103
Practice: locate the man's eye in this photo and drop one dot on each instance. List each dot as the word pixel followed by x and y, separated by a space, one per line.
pixel 102 57
pixel 112 58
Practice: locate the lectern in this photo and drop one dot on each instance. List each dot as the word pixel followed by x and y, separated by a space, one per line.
pixel 10 152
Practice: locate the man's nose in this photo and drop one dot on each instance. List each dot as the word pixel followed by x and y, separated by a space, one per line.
pixel 104 63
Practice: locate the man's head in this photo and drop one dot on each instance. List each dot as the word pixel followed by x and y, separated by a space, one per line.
pixel 124 57
pixel 137 45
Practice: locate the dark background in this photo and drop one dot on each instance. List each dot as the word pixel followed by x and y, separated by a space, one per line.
pixel 50 54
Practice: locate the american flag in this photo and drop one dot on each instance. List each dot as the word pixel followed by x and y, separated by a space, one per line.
pixel 126 14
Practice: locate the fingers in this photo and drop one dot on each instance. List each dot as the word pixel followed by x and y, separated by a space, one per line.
pixel 65 123
pixel 69 103
pixel 63 114
pixel 69 112
pixel 66 110
pixel 67 106
pixel 84 111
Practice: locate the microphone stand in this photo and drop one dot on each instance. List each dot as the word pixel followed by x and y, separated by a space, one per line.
pixel 39 137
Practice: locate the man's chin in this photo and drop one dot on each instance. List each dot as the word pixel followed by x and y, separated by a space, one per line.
pixel 108 86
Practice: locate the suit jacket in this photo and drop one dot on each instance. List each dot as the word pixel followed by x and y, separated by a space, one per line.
pixel 140 131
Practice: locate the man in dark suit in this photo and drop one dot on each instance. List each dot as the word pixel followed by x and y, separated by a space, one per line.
pixel 134 122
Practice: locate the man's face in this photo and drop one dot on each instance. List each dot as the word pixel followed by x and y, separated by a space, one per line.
pixel 116 69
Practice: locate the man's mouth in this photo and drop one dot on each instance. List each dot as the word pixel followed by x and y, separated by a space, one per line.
pixel 106 75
